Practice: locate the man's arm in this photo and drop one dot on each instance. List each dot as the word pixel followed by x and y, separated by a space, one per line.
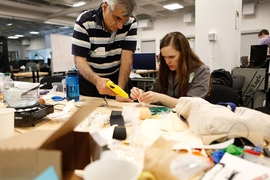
pixel 125 68
pixel 86 71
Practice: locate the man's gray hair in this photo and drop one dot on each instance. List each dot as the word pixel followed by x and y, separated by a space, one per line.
pixel 128 6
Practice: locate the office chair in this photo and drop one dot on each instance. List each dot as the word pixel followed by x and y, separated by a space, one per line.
pixel 46 69
pixel 238 83
pixel 266 107
pixel 35 74
pixel 244 61
pixel 220 93
pixel 49 80
pixel 30 66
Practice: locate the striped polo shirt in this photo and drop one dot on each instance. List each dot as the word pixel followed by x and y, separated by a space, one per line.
pixel 102 48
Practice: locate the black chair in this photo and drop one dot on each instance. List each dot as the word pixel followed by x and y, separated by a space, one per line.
pixel 238 83
pixel 31 66
pixel 244 61
pixel 46 69
pixel 49 80
pixel 220 93
pixel 35 74
pixel 266 107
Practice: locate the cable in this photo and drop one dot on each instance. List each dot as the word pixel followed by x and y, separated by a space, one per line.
pixel 263 63
pixel 236 124
pixel 59 104
pixel 17 131
pixel 106 102
pixel 65 104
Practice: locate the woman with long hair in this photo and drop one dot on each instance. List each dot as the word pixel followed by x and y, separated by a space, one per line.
pixel 181 73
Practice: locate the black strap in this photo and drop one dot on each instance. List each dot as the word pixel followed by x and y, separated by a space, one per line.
pixel 119 132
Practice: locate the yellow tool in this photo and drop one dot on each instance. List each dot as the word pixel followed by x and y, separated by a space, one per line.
pixel 119 91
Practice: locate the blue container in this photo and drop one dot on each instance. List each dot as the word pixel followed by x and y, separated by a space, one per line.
pixel 72 84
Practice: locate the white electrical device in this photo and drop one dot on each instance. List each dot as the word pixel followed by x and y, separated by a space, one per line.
pixel 212 36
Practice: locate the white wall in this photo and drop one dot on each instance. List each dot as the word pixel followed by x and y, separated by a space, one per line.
pixel 251 23
pixel 258 21
pixel 160 27
pixel 218 17
pixel 15 45
pixel 38 43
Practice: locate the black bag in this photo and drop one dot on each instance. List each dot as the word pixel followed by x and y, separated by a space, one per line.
pixel 222 77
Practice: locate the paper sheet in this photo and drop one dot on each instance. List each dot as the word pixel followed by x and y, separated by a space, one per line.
pixel 222 145
pixel 246 169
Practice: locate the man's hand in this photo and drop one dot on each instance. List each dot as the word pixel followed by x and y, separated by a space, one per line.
pixel 102 88
pixel 121 99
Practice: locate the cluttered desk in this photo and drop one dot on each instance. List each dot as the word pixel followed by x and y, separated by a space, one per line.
pixel 157 144
pixel 34 75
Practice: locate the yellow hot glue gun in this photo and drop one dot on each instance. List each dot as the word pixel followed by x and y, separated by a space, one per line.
pixel 119 91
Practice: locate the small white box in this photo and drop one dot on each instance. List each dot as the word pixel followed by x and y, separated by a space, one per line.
pixel 212 36
pixel 249 9
pixel 144 23
pixel 26 42
pixel 187 18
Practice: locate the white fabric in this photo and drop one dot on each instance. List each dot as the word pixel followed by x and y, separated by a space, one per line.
pixel 205 118
pixel 172 123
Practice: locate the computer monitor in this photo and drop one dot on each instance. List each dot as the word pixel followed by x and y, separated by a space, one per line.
pixel 144 61
pixel 258 56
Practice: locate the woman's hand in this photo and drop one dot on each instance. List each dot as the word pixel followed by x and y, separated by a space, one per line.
pixel 149 97
pixel 135 93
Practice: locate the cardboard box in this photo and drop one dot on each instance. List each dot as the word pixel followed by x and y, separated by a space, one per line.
pixel 255 80
pixel 27 155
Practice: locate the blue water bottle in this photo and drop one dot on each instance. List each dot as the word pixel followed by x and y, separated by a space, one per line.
pixel 72 86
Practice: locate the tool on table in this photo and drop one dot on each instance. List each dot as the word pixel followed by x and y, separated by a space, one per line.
pixel 115 88
pixel 34 88
pixel 58 98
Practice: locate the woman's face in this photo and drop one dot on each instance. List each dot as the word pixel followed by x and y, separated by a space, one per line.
pixel 171 57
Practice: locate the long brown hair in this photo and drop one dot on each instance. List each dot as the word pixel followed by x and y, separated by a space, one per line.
pixel 188 62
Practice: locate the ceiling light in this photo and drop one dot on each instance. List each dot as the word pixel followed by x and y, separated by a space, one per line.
pixel 173 6
pixel 34 32
pixel 13 37
pixel 18 35
pixel 9 24
pixel 77 4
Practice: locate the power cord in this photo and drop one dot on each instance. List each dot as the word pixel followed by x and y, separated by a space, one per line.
pixel 244 143
pixel 63 105
pixel 106 102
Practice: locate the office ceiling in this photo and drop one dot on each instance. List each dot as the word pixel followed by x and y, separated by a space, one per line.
pixel 58 16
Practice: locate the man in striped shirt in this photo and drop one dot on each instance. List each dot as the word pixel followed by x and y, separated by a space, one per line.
pixel 103 44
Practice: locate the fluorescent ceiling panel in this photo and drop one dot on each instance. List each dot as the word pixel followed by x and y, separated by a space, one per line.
pixel 78 4
pixel 173 6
